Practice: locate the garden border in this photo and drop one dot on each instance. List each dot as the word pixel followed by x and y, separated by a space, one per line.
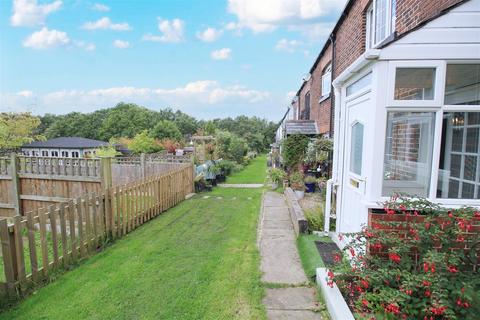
pixel 336 305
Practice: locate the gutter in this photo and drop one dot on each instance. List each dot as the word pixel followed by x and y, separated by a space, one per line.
pixel 366 58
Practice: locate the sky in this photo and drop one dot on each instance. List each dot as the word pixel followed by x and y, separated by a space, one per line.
pixel 208 58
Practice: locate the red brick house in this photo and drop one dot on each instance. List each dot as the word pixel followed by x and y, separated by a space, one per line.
pixel 397 85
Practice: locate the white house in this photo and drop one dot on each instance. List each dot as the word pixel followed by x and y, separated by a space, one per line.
pixel 65 147
pixel 407 119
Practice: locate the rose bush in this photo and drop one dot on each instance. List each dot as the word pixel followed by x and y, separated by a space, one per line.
pixel 422 266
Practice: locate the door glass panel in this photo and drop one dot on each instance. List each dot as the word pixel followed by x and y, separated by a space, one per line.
pixel 460 156
pixel 408 153
pixel 356 149
pixel 462 85
pixel 414 83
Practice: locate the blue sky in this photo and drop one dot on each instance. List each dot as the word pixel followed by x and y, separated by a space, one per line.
pixel 209 58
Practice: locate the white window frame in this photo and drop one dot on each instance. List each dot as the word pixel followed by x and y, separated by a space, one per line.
pixel 371 42
pixel 326 75
pixel 436 105
pixel 439 87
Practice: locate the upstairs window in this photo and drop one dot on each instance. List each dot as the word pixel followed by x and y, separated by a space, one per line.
pixel 380 21
pixel 326 80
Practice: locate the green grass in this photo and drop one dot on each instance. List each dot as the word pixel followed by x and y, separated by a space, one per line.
pixel 198 260
pixel 308 252
pixel 255 172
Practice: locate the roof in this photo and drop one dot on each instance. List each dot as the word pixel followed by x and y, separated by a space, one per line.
pixel 67 143
pixel 308 127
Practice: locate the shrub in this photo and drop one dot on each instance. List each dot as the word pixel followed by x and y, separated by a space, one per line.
pixel 423 267
pixel 293 149
pixel 166 129
pixel 107 151
pixel 315 218
pixel 296 181
pixel 276 175
pixel 310 179
pixel 143 143
pixel 226 167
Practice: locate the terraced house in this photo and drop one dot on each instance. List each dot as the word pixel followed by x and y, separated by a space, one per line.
pixel 397 85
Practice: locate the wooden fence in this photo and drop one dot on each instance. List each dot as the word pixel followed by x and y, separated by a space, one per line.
pixel 49 238
pixel 30 183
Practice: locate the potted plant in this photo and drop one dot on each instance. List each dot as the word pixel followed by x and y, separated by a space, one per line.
pixel 297 184
pixel 276 176
pixel 310 182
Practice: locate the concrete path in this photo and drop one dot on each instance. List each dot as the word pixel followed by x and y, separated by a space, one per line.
pixel 240 185
pixel 281 266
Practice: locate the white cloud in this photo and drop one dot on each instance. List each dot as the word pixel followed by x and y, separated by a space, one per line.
pixel 289 96
pixel 25 93
pixel 106 24
pixel 203 94
pixel 222 54
pixel 267 15
pixel 172 31
pixel 121 44
pixel 45 39
pixel 209 34
pixel 30 13
pixel 100 7
pixel 88 46
pixel 287 45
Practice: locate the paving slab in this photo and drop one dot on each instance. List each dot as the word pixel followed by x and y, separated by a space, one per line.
pixel 291 299
pixel 280 264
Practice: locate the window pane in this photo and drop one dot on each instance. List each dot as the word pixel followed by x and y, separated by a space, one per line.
pixel 356 149
pixel 380 20
pixel 463 84
pixel 459 162
pixel 408 153
pixel 414 83
pixel 359 84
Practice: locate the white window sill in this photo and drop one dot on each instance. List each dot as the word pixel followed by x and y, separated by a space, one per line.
pixel 324 98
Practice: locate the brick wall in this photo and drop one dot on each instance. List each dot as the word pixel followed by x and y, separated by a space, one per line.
pixel 410 13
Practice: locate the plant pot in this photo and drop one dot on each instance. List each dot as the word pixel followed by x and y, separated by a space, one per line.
pixel 310 187
pixel 274 185
pixel 299 194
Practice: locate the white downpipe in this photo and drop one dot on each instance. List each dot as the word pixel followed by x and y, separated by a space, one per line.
pixel 328 207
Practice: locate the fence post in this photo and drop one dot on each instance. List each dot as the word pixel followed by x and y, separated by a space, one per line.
pixel 143 165
pixel 106 172
pixel 9 256
pixel 16 192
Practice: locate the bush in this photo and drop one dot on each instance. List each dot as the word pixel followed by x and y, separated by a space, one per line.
pixel 143 143
pixel 315 218
pixel 226 167
pixel 293 149
pixel 424 267
pixel 296 181
pixel 166 129
pixel 276 175
pixel 310 179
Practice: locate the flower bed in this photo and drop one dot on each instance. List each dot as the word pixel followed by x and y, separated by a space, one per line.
pixel 414 261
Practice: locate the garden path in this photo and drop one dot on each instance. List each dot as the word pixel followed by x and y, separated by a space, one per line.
pixel 289 295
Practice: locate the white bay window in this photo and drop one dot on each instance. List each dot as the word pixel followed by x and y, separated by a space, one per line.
pixel 432 146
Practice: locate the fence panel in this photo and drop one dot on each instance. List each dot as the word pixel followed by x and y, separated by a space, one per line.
pixel 48 238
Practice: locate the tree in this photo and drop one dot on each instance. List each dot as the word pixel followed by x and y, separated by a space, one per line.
pixel 144 143
pixel 186 124
pixel 229 146
pixel 166 129
pixel 17 129
pixel 127 120
pixel 108 151
pixel 293 149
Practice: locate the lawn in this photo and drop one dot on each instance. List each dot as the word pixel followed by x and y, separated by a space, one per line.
pixel 255 172
pixel 198 260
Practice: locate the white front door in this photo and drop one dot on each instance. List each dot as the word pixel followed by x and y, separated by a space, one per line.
pixel 353 212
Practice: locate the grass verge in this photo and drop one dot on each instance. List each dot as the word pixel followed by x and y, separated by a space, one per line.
pixel 198 260
pixel 255 172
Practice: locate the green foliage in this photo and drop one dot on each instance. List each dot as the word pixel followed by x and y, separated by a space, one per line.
pixel 230 146
pixel 225 167
pixel 276 175
pixel 144 143
pixel 296 181
pixel 293 150
pixel 424 266
pixel 310 179
pixel 315 217
pixel 318 150
pixel 17 129
pixel 166 129
pixel 75 124
pixel 106 152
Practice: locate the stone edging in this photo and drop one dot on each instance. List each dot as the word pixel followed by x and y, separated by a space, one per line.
pixel 300 223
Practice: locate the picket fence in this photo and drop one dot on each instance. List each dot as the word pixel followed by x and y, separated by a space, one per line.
pixel 44 240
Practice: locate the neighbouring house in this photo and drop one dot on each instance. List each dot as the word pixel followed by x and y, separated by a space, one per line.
pixel 397 85
pixel 65 147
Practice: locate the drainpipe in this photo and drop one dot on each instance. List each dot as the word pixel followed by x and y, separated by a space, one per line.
pixel 328 207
